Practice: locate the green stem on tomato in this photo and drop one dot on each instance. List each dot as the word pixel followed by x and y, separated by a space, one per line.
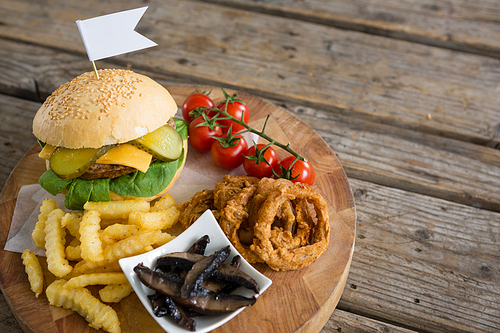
pixel 267 137
pixel 262 134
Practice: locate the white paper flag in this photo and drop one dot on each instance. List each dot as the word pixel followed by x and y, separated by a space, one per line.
pixel 113 34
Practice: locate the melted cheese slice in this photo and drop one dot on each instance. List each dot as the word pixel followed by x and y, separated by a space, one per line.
pixel 46 152
pixel 128 155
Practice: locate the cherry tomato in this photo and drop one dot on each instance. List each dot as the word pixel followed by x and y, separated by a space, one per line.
pixel 200 138
pixel 262 169
pixel 305 169
pixel 230 157
pixel 195 101
pixel 235 109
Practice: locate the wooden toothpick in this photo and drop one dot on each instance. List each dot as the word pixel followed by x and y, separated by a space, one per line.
pixel 95 70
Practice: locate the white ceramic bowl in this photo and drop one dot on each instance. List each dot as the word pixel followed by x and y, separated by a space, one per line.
pixel 205 225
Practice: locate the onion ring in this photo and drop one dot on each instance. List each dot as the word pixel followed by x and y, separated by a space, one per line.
pixel 284 257
pixel 274 221
pixel 195 207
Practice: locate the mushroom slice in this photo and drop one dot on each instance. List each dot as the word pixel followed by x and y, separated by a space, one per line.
pixel 202 270
pixel 182 260
pixel 204 301
pixel 200 245
pixel 234 277
pixel 164 305
pixel 236 261
pixel 225 273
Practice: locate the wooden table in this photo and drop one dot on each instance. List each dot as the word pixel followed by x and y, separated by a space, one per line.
pixel 406 93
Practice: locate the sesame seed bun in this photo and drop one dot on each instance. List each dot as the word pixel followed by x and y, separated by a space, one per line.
pixel 89 113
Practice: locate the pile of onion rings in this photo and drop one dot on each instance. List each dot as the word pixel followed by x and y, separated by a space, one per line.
pixel 274 221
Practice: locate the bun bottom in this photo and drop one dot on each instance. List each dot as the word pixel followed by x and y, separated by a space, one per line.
pixel 117 197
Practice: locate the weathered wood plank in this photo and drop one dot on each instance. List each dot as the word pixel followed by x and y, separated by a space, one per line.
pixel 386 80
pixel 346 322
pixel 16 117
pixel 470 26
pixel 423 262
pixel 8 322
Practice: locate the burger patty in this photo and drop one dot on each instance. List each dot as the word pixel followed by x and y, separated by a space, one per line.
pixel 110 171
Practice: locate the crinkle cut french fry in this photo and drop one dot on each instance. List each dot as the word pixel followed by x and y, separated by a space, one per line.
pixel 165 238
pixel 107 223
pixel 163 203
pixel 148 248
pixel 114 293
pixel 97 314
pixel 117 232
pixel 127 247
pixel 54 244
pixel 73 252
pixel 91 245
pixel 38 233
pixel 133 219
pixel 161 219
pixel 71 221
pixel 113 210
pixel 96 279
pixel 34 271
pixel 105 240
pixel 89 267
pixel 132 245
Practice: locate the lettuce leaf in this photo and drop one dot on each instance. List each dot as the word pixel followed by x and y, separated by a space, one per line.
pixel 53 184
pixel 80 191
pixel 181 127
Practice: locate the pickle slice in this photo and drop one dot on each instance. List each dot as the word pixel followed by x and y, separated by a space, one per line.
pixel 163 143
pixel 72 163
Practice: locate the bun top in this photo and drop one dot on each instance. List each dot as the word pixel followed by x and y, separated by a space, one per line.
pixel 89 113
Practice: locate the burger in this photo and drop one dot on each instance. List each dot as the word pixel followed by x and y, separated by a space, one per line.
pixel 110 137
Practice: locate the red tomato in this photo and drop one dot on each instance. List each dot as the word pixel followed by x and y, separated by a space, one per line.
pixel 231 157
pixel 200 137
pixel 237 110
pixel 304 170
pixel 195 101
pixel 262 169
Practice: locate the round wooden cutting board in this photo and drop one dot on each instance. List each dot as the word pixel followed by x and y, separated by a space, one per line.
pixel 297 301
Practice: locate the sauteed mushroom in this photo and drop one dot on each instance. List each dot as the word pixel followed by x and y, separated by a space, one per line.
pixel 188 283
pixel 204 301
pixel 164 305
pixel 225 273
pixel 202 270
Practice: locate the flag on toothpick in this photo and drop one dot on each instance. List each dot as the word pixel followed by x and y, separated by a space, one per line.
pixel 110 35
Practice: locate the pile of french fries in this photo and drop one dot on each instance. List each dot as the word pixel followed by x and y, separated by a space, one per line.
pixel 83 248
